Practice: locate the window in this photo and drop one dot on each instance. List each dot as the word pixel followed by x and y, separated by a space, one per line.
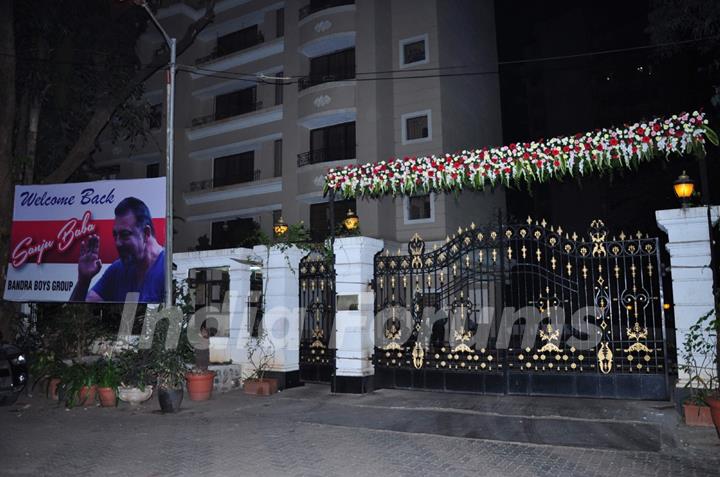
pixel 235 103
pixel 279 22
pixel 233 169
pixel 419 208
pixel 416 127
pixel 414 51
pixel 276 216
pixel 332 143
pixel 320 217
pixel 277 159
pixel 238 40
pixel 333 67
pixel 152 170
pixel 155 118
pixel 210 285
pixel 279 89
pixel 235 233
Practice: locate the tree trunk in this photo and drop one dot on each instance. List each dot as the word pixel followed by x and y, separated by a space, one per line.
pixel 7 125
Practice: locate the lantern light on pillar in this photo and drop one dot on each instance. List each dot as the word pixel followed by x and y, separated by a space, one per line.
pixel 684 187
pixel 280 227
pixel 351 221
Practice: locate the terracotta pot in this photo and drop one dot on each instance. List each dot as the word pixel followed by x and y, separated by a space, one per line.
pixel 257 387
pixel 107 397
pixel 200 385
pixel 52 389
pixel 86 396
pixel 714 403
pixel 697 416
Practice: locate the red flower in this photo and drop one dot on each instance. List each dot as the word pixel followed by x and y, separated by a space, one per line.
pixel 556 163
pixel 440 167
pixel 613 142
pixel 640 131
pixel 656 127
pixel 454 175
pixel 646 139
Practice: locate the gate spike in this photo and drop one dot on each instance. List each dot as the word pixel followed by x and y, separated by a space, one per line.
pixel 529 220
pixel 472 225
pixel 459 230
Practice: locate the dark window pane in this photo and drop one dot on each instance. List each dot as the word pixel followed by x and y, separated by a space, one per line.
pixel 320 218
pixel 419 207
pixel 238 40
pixel 417 128
pixel 333 143
pixel 235 103
pixel 278 158
pixel 279 89
pixel 336 66
pixel 233 169
pixel 279 22
pixel 414 51
pixel 235 233
pixel 152 170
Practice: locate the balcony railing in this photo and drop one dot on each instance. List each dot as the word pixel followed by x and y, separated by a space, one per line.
pixel 209 118
pixel 313 7
pixel 215 53
pixel 209 184
pixel 312 80
pixel 326 155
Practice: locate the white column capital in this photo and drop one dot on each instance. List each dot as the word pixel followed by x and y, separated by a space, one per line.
pixel 687 225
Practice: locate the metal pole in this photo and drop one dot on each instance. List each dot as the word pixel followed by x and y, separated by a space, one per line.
pixel 169 143
pixel 169 150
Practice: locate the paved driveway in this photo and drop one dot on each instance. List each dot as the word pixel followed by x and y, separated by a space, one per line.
pixel 308 432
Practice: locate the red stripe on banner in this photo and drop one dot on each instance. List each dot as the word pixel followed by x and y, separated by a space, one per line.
pixel 58 241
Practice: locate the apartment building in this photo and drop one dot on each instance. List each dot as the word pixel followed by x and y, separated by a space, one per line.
pixel 273 93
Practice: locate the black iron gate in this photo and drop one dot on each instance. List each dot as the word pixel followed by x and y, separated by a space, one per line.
pixel 317 308
pixel 523 309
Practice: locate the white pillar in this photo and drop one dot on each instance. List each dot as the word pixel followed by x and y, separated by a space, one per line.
pixel 281 318
pixel 237 308
pixel 692 280
pixel 355 328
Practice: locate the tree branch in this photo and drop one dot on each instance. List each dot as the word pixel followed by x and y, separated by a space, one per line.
pixel 105 109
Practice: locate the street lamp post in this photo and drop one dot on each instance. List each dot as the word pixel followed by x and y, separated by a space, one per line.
pixel 169 144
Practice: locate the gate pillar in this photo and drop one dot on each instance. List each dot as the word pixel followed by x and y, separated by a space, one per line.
pixel 692 279
pixel 354 320
pixel 281 316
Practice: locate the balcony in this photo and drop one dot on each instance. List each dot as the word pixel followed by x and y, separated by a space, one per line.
pixel 328 154
pixel 316 6
pixel 208 184
pixel 210 118
pixel 312 80
pixel 203 192
pixel 221 51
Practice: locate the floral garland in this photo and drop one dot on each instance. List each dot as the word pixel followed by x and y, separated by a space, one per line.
pixel 536 161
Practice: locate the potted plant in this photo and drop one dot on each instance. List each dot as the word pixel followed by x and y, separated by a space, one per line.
pixel 135 376
pixel 108 380
pixel 699 354
pixel 78 384
pixel 47 369
pixel 260 353
pixel 169 370
pixel 199 379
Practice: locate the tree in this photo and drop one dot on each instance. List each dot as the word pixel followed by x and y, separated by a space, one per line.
pixel 66 68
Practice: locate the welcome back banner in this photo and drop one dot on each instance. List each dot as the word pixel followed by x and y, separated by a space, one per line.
pixel 56 225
